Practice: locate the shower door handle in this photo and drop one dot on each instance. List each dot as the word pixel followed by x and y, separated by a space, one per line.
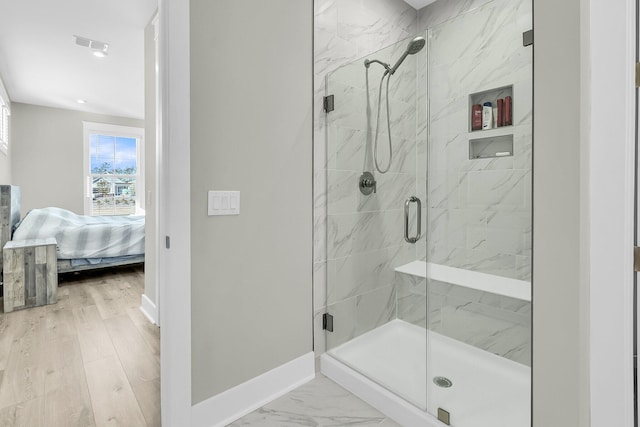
pixel 407 203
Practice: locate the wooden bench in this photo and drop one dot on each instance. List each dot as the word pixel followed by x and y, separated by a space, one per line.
pixel 30 273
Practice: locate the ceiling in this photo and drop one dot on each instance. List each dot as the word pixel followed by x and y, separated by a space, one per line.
pixel 41 64
pixel 419 4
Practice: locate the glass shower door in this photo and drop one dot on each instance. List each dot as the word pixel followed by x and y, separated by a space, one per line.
pixel 441 316
pixel 479 209
pixel 376 292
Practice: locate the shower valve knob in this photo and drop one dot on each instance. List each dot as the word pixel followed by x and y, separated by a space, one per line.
pixel 368 183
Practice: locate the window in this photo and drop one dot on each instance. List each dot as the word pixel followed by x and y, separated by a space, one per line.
pixel 114 172
pixel 4 123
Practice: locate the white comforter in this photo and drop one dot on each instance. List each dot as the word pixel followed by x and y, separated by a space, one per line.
pixel 82 236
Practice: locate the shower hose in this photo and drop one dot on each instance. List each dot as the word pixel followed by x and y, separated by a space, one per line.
pixel 375 144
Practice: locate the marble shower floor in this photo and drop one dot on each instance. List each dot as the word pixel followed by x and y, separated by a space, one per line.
pixel 319 403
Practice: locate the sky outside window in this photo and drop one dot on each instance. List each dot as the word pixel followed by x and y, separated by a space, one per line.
pixel 113 154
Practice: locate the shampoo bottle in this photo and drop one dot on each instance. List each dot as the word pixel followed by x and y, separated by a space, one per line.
pixel 476 117
pixel 508 111
pixel 487 115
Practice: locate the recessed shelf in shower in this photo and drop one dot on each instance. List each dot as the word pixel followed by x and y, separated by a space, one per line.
pixel 490 147
pixel 492 96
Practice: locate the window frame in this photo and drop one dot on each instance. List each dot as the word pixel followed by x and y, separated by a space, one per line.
pixel 91 128
pixel 5 113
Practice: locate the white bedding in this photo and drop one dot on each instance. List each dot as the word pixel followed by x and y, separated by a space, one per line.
pixel 81 236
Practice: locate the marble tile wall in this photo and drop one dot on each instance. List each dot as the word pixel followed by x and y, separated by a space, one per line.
pixel 494 323
pixel 365 232
pixel 479 210
pixel 358 239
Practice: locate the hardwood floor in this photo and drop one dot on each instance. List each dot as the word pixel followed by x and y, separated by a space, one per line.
pixel 92 359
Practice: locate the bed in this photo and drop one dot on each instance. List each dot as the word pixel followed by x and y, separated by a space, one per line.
pixel 83 242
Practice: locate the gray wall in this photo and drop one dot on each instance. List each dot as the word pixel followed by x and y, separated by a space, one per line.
pixel 560 330
pixel 47 154
pixel 150 163
pixel 251 130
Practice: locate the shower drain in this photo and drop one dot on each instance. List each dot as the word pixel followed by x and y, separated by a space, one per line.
pixel 442 382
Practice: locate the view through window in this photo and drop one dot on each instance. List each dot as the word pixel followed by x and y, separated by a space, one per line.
pixel 114 172
pixel 114 176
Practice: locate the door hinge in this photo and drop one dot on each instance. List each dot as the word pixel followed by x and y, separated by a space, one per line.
pixel 527 38
pixel 327 103
pixel 637 74
pixel 327 322
pixel 636 258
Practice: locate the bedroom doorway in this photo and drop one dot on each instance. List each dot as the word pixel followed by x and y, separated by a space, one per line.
pixel 112 311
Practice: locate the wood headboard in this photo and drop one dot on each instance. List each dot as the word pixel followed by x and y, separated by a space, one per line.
pixel 9 214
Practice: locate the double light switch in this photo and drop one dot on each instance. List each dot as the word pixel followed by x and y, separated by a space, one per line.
pixel 224 203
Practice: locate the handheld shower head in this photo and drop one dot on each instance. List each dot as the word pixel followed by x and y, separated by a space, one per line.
pixel 413 47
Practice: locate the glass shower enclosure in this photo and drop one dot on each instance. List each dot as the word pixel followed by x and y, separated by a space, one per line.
pixel 429 218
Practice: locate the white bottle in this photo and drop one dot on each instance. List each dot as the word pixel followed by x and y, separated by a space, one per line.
pixel 487 116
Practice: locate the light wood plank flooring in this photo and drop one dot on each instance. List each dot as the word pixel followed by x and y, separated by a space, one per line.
pixel 92 359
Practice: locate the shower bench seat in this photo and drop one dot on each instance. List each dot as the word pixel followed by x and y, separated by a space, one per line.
pixel 506 286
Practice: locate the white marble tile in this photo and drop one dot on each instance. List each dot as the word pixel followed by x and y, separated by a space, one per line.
pixel 355 233
pixel 319 234
pixel 443 10
pixel 374 24
pixel 389 423
pixel 331 51
pixel 325 14
pixel 504 241
pixel 342 192
pixel 500 190
pixel 523 267
pixel 486 328
pixel 319 285
pixel 344 321
pixel 362 273
pixel 523 101
pixel 412 299
pixel 375 308
pixel 319 402
pixel 355 316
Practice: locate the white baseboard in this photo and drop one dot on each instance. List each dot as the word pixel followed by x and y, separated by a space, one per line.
pixel 149 309
pixel 234 403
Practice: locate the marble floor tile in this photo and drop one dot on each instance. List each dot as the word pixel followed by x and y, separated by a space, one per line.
pixel 319 403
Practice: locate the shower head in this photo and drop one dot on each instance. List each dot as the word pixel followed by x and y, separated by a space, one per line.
pixel 414 47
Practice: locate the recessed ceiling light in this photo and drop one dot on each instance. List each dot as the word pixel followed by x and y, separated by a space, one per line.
pixel 99 54
pixel 81 101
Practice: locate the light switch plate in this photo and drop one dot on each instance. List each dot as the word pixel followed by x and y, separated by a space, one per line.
pixel 223 203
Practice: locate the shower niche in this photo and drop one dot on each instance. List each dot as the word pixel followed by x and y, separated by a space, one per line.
pixel 490 147
pixel 497 137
